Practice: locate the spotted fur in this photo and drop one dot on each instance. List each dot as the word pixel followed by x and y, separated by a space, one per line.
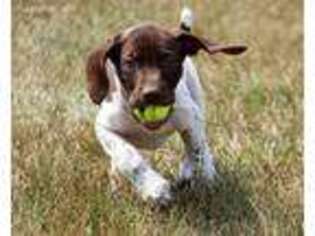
pixel 122 137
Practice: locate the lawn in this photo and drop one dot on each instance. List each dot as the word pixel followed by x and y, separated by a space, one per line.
pixel 254 113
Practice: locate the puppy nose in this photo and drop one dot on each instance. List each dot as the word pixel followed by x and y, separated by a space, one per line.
pixel 152 96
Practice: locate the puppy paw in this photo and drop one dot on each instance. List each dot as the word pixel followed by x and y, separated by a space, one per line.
pixel 157 191
pixel 160 192
pixel 162 202
pixel 204 177
pixel 183 183
pixel 209 173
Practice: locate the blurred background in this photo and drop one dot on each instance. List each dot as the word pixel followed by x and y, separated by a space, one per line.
pixel 254 113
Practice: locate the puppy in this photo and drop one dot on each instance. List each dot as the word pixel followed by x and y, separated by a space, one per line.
pixel 145 67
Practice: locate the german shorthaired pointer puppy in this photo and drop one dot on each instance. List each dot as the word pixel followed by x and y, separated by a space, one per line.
pixel 145 66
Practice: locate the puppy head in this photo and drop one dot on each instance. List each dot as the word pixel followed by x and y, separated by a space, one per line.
pixel 148 60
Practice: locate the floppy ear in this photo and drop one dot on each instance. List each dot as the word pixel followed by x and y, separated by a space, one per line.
pixel 97 78
pixel 191 44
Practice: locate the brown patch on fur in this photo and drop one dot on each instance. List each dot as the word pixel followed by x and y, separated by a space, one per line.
pixel 96 76
pixel 150 65
pixel 97 79
pixel 148 60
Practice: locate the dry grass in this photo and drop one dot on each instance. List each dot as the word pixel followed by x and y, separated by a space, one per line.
pixel 60 183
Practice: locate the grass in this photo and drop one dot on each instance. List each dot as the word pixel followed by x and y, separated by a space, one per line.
pixel 254 109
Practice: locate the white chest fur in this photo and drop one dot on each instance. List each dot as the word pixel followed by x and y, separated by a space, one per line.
pixel 115 115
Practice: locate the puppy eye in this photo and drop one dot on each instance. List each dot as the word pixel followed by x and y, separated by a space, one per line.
pixel 129 62
pixel 165 56
pixel 168 60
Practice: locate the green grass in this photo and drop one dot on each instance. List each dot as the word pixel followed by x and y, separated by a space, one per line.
pixel 254 111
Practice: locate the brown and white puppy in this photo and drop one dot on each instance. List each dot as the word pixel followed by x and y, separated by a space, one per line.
pixel 143 66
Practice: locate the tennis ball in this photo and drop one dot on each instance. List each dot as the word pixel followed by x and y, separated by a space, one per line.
pixel 152 113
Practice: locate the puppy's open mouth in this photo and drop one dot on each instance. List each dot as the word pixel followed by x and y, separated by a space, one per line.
pixel 153 116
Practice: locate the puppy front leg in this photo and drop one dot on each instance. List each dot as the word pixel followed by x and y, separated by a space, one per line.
pixel 198 160
pixel 127 160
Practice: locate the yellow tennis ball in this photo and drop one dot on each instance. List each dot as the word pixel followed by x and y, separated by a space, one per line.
pixel 152 113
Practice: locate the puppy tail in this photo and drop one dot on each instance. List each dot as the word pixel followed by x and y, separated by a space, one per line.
pixel 186 19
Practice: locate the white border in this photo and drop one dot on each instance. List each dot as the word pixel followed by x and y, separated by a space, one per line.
pixel 5 117
pixel 309 118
